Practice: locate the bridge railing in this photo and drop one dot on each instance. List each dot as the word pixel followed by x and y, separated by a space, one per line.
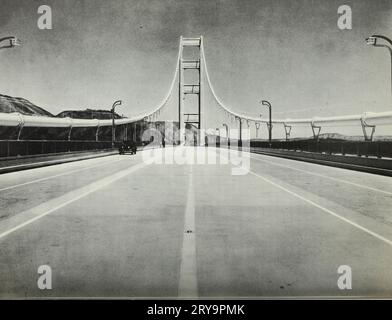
pixel 51 140
pixel 14 148
pixel 379 149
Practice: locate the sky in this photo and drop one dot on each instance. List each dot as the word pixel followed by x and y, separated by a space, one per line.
pixel 289 52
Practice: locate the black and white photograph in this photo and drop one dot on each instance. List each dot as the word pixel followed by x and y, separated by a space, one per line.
pixel 195 149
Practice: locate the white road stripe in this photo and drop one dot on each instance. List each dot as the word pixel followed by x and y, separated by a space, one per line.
pixel 187 286
pixel 58 175
pixel 356 225
pixel 60 202
pixel 374 234
pixel 323 176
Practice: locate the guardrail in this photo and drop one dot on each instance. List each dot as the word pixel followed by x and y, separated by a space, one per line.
pixel 13 148
pixel 368 122
pixel 379 149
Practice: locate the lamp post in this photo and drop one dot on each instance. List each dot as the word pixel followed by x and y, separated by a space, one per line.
pixel 115 104
pixel 266 103
pixel 217 133
pixel 373 41
pixel 240 133
pixel 13 42
pixel 227 134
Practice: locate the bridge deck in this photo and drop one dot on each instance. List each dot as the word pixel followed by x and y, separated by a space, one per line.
pixel 116 226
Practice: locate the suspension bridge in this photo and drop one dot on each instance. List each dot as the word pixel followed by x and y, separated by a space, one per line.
pixel 125 226
pixel 367 122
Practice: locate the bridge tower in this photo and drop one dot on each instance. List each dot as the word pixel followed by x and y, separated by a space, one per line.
pixel 191 118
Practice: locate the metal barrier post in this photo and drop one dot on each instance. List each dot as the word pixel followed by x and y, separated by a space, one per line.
pixel 316 131
pixel 97 134
pixel 364 125
pixel 287 130
pixel 378 150
pixel 69 133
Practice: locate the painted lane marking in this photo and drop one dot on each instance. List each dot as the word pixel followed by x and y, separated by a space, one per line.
pixel 323 176
pixel 356 225
pixel 50 206
pixel 187 286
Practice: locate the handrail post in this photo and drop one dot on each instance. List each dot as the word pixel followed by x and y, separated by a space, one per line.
pixel 364 125
pixel 287 130
pixel 314 128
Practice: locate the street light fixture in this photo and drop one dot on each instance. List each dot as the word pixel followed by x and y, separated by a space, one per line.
pixel 115 104
pixel 13 42
pixel 373 41
pixel 266 103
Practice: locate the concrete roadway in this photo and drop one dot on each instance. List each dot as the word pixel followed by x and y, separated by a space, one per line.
pixel 119 227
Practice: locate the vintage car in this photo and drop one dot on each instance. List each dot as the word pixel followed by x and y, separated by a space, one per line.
pixel 127 147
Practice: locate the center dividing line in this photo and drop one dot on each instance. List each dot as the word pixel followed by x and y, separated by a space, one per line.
pixel 323 176
pixel 60 202
pixel 187 286
pixel 58 175
pixel 356 225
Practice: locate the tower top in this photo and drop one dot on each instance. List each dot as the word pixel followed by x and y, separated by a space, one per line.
pixel 191 41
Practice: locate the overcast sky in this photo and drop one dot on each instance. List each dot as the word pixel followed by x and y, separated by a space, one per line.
pixel 289 52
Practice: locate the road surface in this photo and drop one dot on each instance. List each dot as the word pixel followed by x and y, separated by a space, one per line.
pixel 119 226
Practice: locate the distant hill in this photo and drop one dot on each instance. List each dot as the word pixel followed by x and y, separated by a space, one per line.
pixel 341 137
pixel 11 104
pixel 88 114
pixel 335 137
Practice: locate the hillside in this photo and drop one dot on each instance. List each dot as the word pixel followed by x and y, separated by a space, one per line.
pixel 341 137
pixel 333 137
pixel 12 104
pixel 88 114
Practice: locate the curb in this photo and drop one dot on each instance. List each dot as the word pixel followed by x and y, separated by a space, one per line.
pixel 330 163
pixel 52 162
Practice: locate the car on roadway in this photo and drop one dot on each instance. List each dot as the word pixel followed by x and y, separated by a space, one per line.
pixel 127 147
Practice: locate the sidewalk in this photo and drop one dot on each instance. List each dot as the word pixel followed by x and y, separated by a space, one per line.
pixel 30 162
